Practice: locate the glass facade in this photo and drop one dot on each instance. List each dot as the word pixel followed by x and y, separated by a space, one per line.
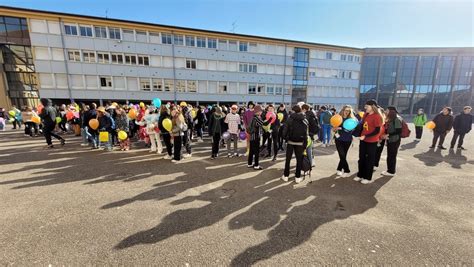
pixel 300 74
pixel 18 62
pixel 411 81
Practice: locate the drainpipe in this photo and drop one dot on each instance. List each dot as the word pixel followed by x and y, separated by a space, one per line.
pixel 61 28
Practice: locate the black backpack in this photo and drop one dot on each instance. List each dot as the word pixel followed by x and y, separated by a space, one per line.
pixel 299 131
pixel 306 166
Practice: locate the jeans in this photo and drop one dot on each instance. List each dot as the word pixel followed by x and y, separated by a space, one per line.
pixel 280 137
pixel 273 141
pixel 326 133
pixel 85 135
pixel 233 139
pixel 419 131
pixel 392 151
pixel 441 136
pixel 342 148
pixel 455 137
pixel 254 152
pixel 177 147
pixel 298 150
pixel 367 153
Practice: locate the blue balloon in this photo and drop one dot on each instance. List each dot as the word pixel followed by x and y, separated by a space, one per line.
pixel 350 124
pixel 157 102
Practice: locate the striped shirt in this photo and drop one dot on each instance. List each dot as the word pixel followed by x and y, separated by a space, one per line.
pixel 256 127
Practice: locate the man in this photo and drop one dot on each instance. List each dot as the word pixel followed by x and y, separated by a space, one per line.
pixel 313 128
pixel 326 125
pixel 444 124
pixel 462 125
pixel 92 134
pixel 48 116
pixel 248 116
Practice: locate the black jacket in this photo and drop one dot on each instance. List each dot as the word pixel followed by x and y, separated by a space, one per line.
pixel 313 123
pixel 443 123
pixel 463 123
pixel 296 129
pixel 48 114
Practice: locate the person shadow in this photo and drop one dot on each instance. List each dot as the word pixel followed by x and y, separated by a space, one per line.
pixel 430 158
pixel 410 145
pixel 265 198
pixel 456 159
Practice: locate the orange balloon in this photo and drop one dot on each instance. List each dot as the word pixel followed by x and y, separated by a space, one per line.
pixel 39 108
pixel 94 124
pixel 336 120
pixel 69 115
pixel 430 125
pixel 132 114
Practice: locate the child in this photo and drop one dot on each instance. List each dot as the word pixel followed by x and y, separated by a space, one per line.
pixel 233 121
pixel 419 120
pixel 150 121
pixel 122 124
pixel 177 131
pixel 255 131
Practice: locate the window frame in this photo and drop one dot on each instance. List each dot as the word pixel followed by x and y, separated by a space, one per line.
pixel 86 27
pixel 190 65
pixel 68 29
pixel 115 32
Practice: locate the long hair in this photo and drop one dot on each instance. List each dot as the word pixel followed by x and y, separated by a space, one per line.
pixel 351 111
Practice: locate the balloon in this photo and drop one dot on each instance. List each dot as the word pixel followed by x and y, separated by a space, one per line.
pixel 361 114
pixel 11 120
pixel 39 108
pixel 431 125
pixel 69 115
pixel 226 135
pixel 266 128
pixel 336 120
pixel 94 124
pixel 243 135
pixel 36 119
pixel 183 104
pixel 310 142
pixel 350 124
pixel 271 116
pixel 12 113
pixel 122 135
pixel 58 119
pixel 142 105
pixel 280 116
pixel 156 102
pixel 167 124
pixel 193 113
pixel 132 113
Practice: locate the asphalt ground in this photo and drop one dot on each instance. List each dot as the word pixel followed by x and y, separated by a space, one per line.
pixel 75 206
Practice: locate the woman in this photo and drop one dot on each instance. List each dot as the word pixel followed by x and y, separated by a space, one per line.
pixel 343 140
pixel 164 114
pixel 296 136
pixel 30 127
pixel 215 129
pixel 177 131
pixel 381 142
pixel 370 135
pixel 393 130
pixel 200 122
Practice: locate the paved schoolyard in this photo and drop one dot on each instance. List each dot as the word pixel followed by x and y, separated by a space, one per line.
pixel 74 206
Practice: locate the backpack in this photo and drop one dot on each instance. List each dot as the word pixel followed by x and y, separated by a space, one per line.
pixel 306 166
pixel 299 131
pixel 326 117
pixel 313 123
pixel 405 130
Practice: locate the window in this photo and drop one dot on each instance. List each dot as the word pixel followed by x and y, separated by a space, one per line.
pixel 88 56
pixel 233 45
pixel 343 57
pixel 252 88
pixel 278 90
pixel 180 85
pixel 243 46
pixel 190 41
pixel 145 84
pixel 260 89
pixel 154 37
pixel 128 35
pixel 114 33
pixel 222 44
pixel 166 38
pixel 143 60
pixel 243 67
pixel 117 58
pixel 169 85
pixel 102 57
pixel 178 40
pixel 70 29
pixel 270 90
pixel 222 87
pixel 130 59
pixel 141 36
pixel 85 31
pixel 106 82
pixel 100 32
pixel 192 86
pixel 74 55
pixel 190 63
pixel 253 68
pixel 253 47
pixel 350 58
pixel 211 43
pixel 201 41
pixel 328 55
pixel 356 58
pixel 91 82
pixel 157 84
pixel 312 74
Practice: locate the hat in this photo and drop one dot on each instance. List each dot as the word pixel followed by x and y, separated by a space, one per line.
pixel 101 109
pixel 235 107
pixel 257 109
pixel 392 108
pixel 372 102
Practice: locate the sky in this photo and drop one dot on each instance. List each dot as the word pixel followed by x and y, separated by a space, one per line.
pixel 355 23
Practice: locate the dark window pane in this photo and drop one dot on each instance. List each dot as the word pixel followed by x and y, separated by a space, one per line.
pixel 11 20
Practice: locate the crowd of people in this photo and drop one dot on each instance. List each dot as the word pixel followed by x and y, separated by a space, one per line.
pixel 267 130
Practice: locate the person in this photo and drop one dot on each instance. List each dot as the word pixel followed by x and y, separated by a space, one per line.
pixel 215 130
pixel 313 129
pixel 233 121
pixel 122 124
pixel 255 132
pixel 393 130
pixel 343 140
pixel 164 114
pixel 325 120
pixel 30 127
pixel 282 110
pixel 273 135
pixel 370 135
pixel 178 128
pixel 188 133
pixel 381 143
pixel 248 117
pixel 419 120
pixel 462 125
pixel 84 134
pixel 444 123
pixel 92 134
pixel 296 136
pixel 48 118
pixel 201 121
pixel 106 126
pixel 150 122
pixel 16 117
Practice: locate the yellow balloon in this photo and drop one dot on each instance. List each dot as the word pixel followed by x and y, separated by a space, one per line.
pixel 431 125
pixel 36 119
pixel 183 104
pixel 167 124
pixel 280 116
pixel 142 105
pixel 122 135
pixel 193 113
pixel 12 113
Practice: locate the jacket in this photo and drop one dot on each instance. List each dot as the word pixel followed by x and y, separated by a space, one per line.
pixel 295 120
pixel 443 123
pixel 344 135
pixel 420 120
pixel 393 129
pixel 48 114
pixel 216 124
pixel 106 123
pixel 122 123
pixel 462 123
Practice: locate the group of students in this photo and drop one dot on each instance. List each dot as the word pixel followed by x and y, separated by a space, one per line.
pixel 267 131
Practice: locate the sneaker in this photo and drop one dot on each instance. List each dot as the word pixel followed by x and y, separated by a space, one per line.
pixel 462 148
pixel 167 157
pixel 338 173
pixel 284 178
pixel 357 179
pixel 236 155
pixel 49 146
pixel 84 144
pixel 229 155
pixel 63 142
pixel 386 173
pixel 213 157
pixel 187 155
pixel 345 174
pixel 249 166
pixel 299 180
pixel 432 147
pixel 442 147
pixel 274 158
pixel 174 161
pixel 200 140
pixel 365 181
pixel 257 168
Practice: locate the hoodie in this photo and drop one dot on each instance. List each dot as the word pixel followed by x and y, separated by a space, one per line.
pixel 443 123
pixel 48 114
pixel 463 123
pixel 296 130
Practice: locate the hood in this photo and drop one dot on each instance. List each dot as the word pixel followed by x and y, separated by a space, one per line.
pixel 297 116
pixel 46 102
